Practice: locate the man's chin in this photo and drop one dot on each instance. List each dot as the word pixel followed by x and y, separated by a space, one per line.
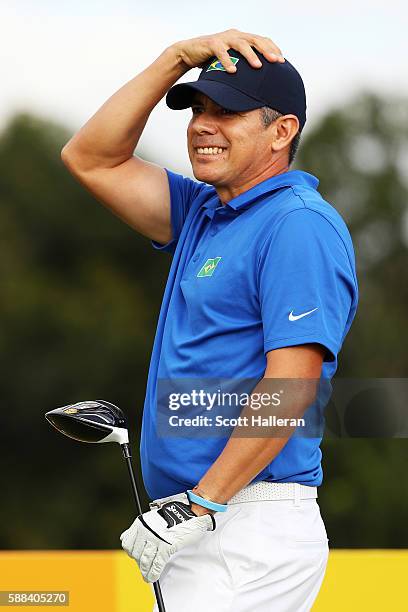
pixel 205 175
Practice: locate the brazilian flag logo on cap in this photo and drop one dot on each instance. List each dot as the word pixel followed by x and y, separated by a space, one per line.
pixel 216 65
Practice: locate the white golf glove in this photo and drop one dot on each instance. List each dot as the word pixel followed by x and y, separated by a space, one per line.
pixel 156 535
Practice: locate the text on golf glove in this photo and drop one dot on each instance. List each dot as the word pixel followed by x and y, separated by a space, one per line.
pixel 156 535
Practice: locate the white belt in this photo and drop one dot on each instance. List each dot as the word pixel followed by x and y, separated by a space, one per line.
pixel 268 491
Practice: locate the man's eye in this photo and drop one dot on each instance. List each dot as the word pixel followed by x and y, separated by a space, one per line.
pixel 227 111
pixel 196 109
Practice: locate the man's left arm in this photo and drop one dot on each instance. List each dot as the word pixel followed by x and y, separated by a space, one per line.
pixel 244 457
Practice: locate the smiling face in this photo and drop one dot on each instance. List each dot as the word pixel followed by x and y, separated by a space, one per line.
pixel 230 150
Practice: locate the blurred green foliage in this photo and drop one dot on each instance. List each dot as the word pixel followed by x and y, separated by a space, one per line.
pixel 360 155
pixel 79 301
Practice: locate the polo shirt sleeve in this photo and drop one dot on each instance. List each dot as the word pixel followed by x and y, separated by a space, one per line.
pixel 183 192
pixel 306 284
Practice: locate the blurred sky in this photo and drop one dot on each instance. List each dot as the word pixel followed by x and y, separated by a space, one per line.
pixel 62 60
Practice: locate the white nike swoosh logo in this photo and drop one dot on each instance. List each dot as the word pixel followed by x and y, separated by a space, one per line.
pixel 293 317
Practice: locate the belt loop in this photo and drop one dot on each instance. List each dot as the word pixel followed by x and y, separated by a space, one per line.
pixel 297 495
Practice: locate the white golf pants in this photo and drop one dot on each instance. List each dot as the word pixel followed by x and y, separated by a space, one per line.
pixel 264 556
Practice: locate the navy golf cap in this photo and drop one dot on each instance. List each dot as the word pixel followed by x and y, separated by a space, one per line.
pixel 277 85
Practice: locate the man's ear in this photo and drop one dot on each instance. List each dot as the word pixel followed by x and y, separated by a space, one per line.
pixel 285 129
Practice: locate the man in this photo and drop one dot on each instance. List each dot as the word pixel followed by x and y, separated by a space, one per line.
pixel 262 287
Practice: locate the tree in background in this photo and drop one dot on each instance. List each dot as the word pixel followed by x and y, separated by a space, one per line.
pixel 79 301
pixel 360 154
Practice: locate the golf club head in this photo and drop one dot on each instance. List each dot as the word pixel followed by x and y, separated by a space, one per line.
pixel 91 421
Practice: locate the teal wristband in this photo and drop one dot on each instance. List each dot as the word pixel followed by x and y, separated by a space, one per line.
pixel 206 503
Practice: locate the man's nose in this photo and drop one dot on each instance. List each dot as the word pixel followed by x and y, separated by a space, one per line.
pixel 205 124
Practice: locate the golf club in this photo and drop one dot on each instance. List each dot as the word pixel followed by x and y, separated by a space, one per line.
pixel 96 422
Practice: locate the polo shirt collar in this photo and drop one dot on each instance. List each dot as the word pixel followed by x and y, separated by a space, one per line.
pixel 291 178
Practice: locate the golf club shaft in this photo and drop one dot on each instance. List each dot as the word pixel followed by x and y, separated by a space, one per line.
pixel 127 456
pixel 132 479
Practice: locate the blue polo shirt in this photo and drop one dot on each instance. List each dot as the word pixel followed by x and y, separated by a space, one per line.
pixel 241 275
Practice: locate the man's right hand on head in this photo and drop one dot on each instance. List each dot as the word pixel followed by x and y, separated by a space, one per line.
pixel 196 51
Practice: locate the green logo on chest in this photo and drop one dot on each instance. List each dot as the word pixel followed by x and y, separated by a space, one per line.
pixel 209 267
